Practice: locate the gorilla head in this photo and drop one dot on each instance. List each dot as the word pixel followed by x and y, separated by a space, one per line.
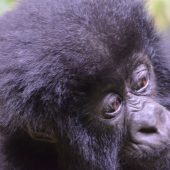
pixel 82 86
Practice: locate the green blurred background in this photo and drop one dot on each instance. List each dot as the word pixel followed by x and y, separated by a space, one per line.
pixel 6 5
pixel 160 9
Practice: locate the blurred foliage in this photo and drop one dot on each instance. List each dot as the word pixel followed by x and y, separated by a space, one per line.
pixel 6 5
pixel 160 9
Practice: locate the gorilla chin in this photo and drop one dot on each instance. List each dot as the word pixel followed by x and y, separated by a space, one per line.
pixel 84 85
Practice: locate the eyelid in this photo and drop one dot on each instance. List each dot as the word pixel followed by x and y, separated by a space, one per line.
pixel 138 74
pixel 143 73
pixel 140 70
pixel 143 70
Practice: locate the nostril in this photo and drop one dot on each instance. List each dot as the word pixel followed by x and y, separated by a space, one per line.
pixel 148 130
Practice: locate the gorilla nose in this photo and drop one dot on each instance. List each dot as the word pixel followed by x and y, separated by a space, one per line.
pixel 145 130
pixel 149 123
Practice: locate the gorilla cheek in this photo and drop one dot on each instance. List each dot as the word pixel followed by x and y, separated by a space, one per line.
pixel 148 127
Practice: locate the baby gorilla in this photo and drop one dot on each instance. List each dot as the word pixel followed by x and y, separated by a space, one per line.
pixel 78 87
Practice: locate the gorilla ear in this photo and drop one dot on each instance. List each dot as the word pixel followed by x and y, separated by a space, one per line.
pixel 42 132
pixel 43 136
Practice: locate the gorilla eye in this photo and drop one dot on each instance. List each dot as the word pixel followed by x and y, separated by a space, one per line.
pixel 141 84
pixel 111 106
pixel 140 79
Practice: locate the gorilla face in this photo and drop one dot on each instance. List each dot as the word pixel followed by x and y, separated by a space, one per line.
pixel 82 86
pixel 133 105
pixel 147 121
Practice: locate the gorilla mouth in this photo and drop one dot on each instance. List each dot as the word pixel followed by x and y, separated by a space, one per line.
pixel 138 150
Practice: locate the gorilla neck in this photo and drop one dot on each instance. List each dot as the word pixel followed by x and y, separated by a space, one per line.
pixel 97 150
pixel 22 152
pixel 98 154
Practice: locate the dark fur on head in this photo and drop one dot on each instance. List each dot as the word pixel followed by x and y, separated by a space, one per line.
pixel 55 58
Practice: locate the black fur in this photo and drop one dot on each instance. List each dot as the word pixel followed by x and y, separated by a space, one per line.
pixel 56 56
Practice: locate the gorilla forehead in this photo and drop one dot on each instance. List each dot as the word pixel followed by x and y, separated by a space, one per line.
pixel 85 27
pixel 101 35
pixel 83 38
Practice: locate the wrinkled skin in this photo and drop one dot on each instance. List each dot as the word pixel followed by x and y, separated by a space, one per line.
pixel 84 85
